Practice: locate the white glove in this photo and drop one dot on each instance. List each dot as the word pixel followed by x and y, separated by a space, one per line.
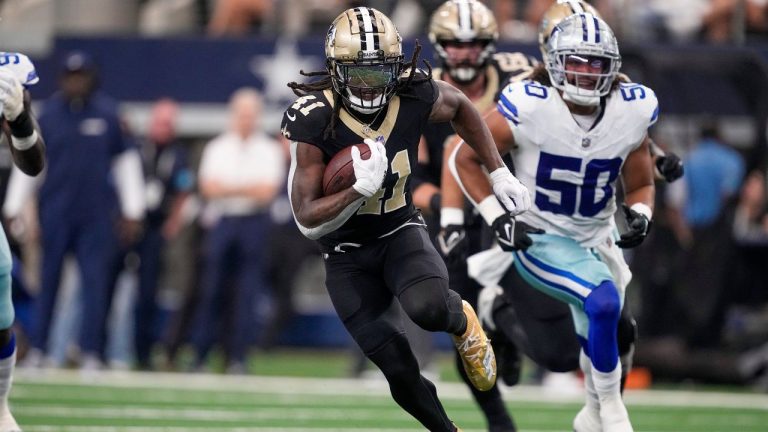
pixel 512 194
pixel 369 173
pixel 11 94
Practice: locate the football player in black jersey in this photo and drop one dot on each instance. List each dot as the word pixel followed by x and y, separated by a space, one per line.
pixel 376 249
pixel 463 34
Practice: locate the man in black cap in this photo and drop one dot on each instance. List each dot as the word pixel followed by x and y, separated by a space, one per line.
pixel 93 186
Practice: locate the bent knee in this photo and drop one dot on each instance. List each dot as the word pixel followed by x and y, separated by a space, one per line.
pixel 603 303
pixel 426 304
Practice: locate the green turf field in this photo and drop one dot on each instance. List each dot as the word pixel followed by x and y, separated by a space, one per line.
pixel 68 401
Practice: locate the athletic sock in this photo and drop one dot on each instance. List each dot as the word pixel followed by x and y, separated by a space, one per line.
pixel 613 413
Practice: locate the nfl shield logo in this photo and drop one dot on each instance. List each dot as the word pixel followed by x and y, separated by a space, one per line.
pixel 585 142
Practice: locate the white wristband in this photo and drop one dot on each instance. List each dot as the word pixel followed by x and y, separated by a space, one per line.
pixel 451 216
pixel 25 143
pixel 643 210
pixel 500 174
pixel 490 209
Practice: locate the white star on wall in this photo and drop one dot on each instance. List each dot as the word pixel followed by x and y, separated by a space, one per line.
pixel 282 67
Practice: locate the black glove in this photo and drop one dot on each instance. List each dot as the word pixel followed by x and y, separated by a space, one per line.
pixel 638 225
pixel 670 167
pixel 453 243
pixel 512 235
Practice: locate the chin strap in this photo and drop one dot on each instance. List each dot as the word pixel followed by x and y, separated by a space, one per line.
pixel 356 103
pixel 580 99
pixel 464 74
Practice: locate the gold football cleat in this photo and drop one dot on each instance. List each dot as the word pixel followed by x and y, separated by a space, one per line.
pixel 476 352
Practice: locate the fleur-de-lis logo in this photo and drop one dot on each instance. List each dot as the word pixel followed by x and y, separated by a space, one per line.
pixel 330 38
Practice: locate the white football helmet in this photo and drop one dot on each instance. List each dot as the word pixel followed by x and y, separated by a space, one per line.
pixel 583 38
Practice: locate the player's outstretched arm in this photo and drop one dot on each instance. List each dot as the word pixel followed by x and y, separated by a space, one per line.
pixel 639 192
pixel 467 170
pixel 637 175
pixel 452 105
pixel 317 215
pixel 22 130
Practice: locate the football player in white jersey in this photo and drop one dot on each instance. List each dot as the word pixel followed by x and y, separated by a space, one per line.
pixel 667 165
pixel 21 132
pixel 572 130
pixel 521 313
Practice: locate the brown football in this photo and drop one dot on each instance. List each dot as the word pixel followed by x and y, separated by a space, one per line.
pixel 339 173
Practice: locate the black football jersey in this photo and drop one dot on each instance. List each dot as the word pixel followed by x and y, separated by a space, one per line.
pixel 400 126
pixel 503 68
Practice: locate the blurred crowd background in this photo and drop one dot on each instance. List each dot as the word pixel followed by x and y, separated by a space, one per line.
pixel 215 262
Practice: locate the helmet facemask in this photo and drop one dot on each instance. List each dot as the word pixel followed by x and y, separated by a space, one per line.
pixel 461 24
pixel 366 86
pixel 465 70
pixel 583 59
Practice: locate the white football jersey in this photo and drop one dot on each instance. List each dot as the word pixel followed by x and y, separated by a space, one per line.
pixel 21 66
pixel 571 172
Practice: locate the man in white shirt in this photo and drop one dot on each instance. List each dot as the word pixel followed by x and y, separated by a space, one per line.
pixel 241 172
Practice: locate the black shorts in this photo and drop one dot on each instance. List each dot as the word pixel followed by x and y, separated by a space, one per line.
pixel 364 282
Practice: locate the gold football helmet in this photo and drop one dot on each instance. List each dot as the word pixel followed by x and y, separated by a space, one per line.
pixel 364 57
pixel 555 14
pixel 463 21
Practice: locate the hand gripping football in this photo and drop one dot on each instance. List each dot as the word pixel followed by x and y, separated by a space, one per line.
pixel 339 173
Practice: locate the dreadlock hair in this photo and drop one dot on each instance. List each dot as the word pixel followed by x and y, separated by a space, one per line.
pixel 326 82
pixel 540 75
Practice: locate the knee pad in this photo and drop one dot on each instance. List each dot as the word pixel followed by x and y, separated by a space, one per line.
pixel 603 303
pixel 429 304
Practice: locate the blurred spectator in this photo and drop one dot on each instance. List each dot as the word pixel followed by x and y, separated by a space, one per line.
pixel 750 230
pixel 239 17
pixel 169 182
pixel 520 20
pixel 286 245
pixel 168 17
pixel 302 17
pixel 241 172
pixel 730 20
pixel 750 224
pixel 702 224
pixel 92 160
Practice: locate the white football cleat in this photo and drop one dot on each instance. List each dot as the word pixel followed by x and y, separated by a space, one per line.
pixel 587 420
pixel 614 416
pixel 7 422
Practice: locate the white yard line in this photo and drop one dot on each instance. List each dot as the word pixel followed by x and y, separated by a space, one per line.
pixel 76 428
pixel 356 387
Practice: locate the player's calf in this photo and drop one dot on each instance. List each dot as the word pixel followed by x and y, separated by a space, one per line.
pixel 508 358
